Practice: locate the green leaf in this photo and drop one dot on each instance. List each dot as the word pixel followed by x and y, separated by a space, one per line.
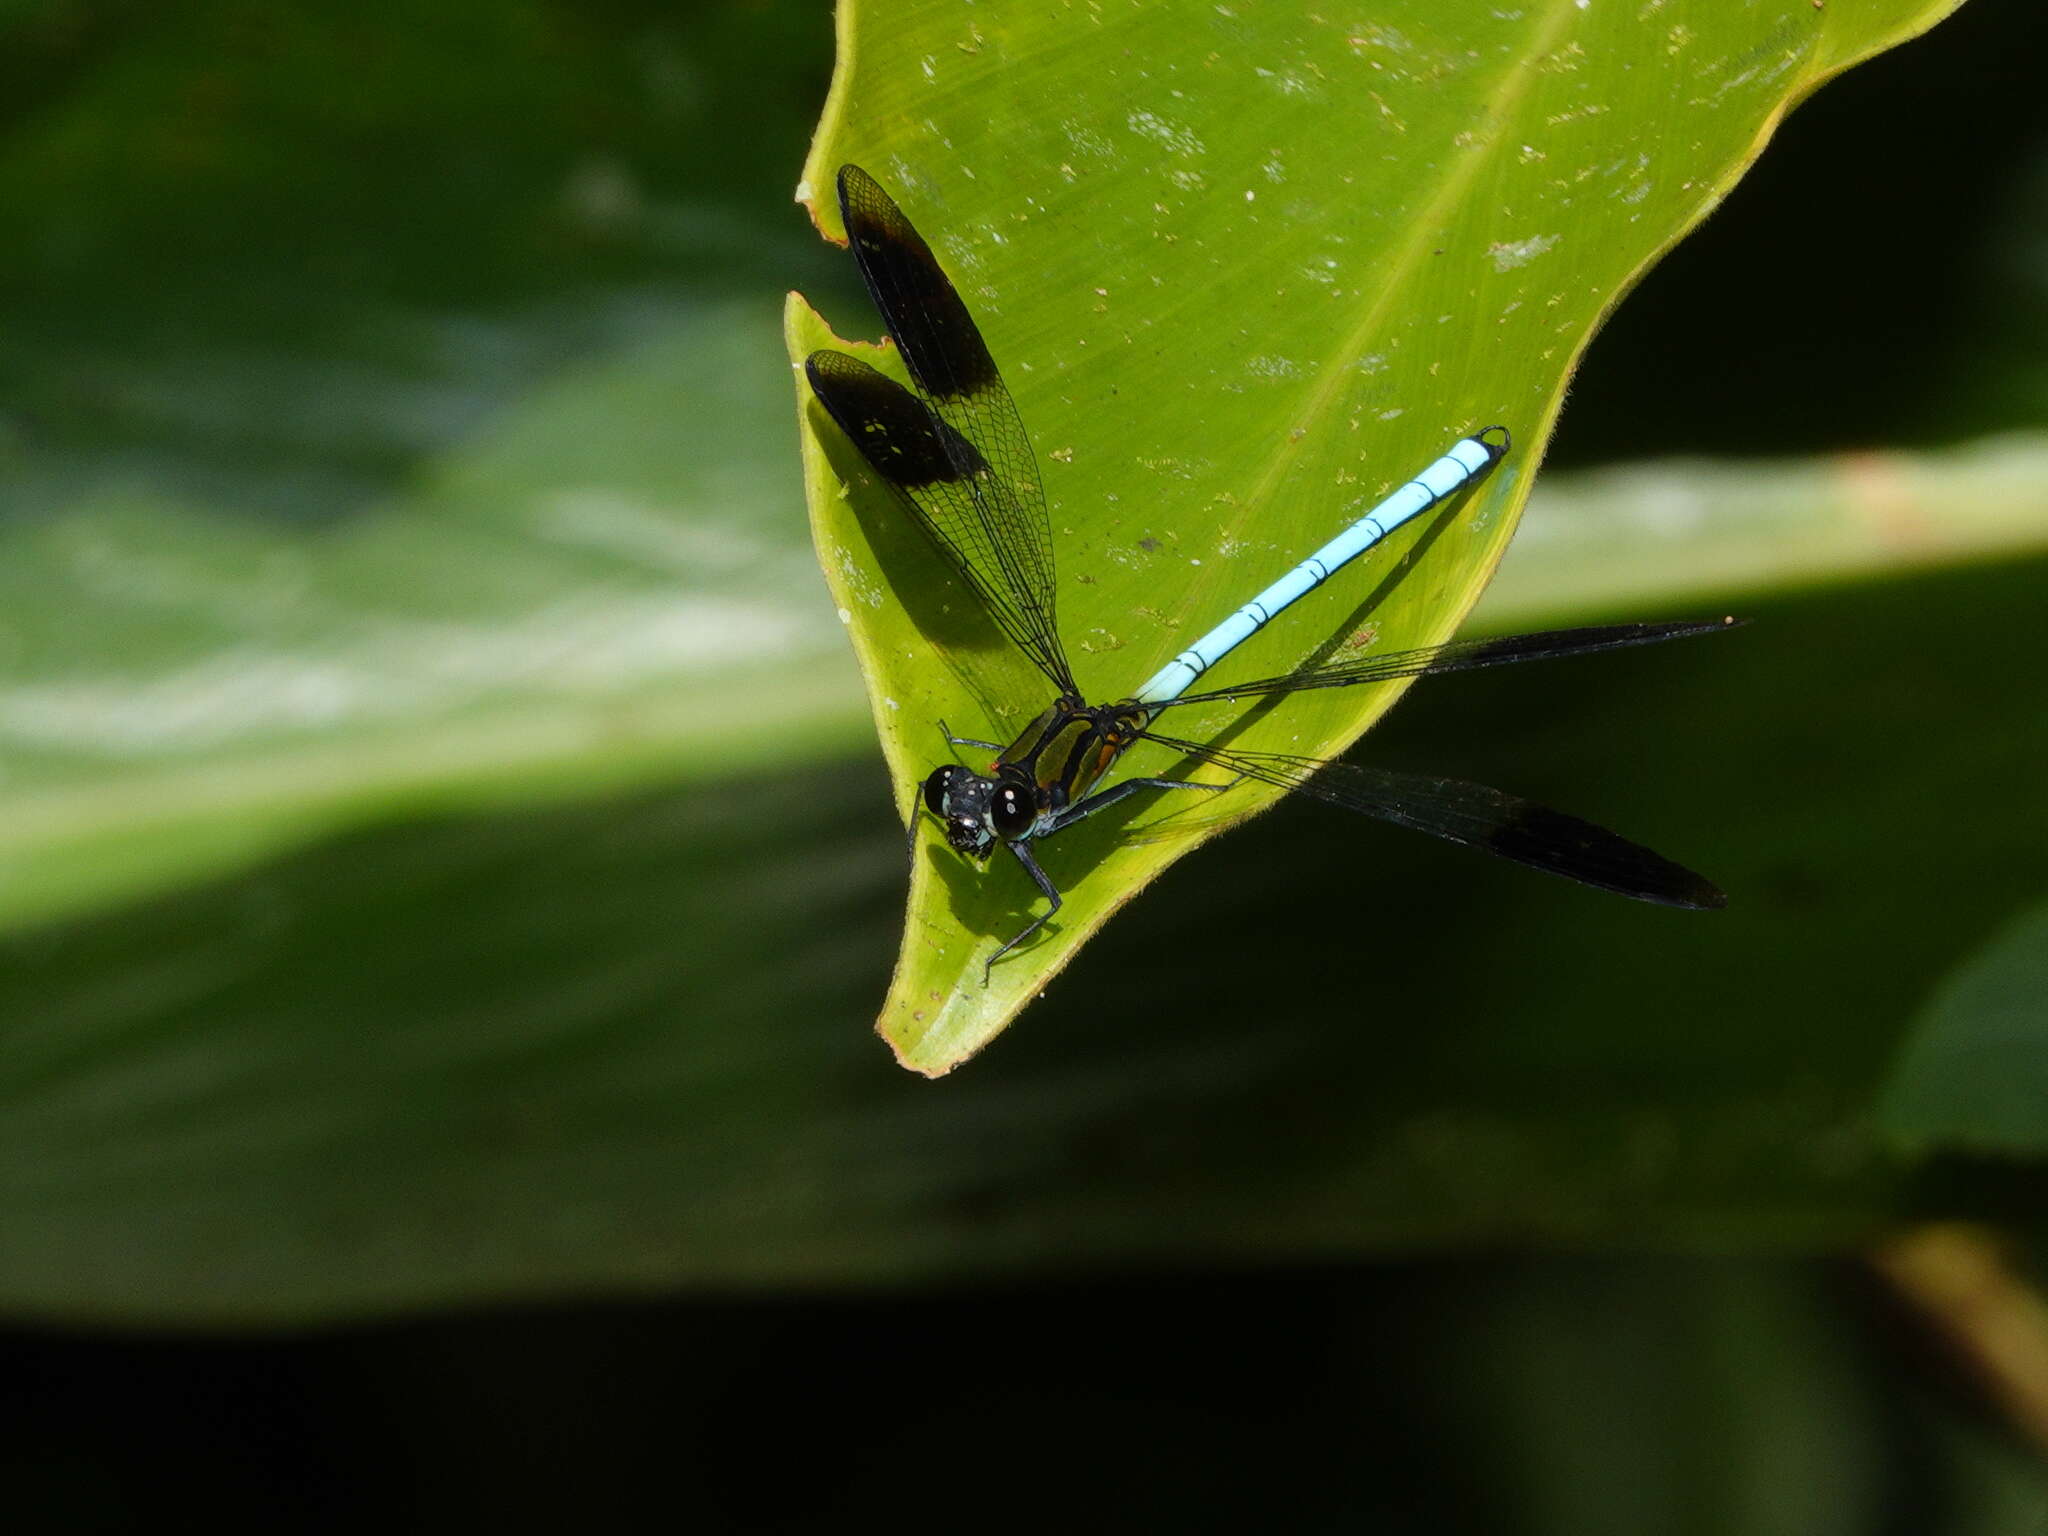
pixel 1254 269
pixel 1974 1071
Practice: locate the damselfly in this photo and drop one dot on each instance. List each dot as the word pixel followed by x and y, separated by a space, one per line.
pixel 957 454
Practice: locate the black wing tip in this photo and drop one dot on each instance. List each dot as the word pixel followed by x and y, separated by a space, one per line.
pixel 852 182
pixel 1562 844
pixel 1549 644
pixel 826 369
pixel 865 202
pixel 1717 626
pixel 1685 890
pixel 898 436
pixel 1685 629
pixel 1656 879
pixel 1649 631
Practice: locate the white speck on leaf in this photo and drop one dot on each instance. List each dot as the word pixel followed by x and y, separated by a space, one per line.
pixel 1509 254
pixel 1270 367
pixel 1086 141
pixel 1175 137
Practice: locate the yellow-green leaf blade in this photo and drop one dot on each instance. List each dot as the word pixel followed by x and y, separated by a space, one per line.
pixel 1244 272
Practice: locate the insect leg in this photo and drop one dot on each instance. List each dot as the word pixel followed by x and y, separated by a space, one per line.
pixel 967 741
pixel 914 825
pixel 1044 883
pixel 1102 799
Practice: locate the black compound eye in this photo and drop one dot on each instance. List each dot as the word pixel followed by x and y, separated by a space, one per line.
pixel 936 787
pixel 1011 812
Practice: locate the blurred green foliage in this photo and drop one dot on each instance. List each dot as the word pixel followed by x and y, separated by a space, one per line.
pixel 1973 1073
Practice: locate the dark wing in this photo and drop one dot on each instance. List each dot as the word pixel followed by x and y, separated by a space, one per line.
pixel 941 477
pixel 989 514
pixel 1478 817
pixel 1458 656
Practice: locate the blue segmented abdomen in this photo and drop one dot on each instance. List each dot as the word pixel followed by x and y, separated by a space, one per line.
pixel 1465 459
